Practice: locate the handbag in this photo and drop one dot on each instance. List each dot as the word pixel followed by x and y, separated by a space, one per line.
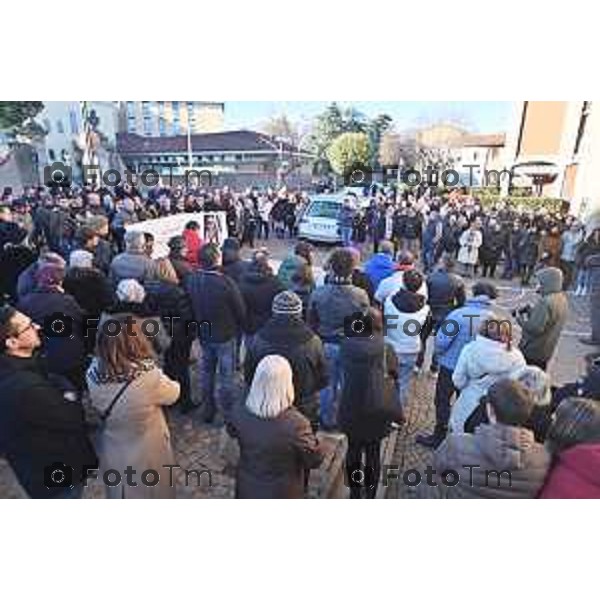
pixel 94 417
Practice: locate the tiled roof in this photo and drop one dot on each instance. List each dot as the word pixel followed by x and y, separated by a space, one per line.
pixel 232 141
pixel 489 140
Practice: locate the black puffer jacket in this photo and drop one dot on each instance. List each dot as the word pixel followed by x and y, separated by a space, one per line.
pixel 172 304
pixel 258 290
pixel 38 426
pixel 291 338
pixel 363 366
pixel 91 289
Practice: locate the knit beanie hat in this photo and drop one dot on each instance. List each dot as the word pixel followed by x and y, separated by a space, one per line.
pixel 287 303
pixel 130 290
pixel 577 421
pixel 81 258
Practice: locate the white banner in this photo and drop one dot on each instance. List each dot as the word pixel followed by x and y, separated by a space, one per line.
pixel 213 228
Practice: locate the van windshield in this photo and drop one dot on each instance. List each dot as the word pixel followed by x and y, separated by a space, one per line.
pixel 326 210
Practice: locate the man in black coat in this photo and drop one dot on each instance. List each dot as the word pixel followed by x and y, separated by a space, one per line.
pixel 220 311
pixel 40 428
pixel 286 334
pixel 446 292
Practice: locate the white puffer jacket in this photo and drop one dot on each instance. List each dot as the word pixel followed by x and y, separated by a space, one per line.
pixel 400 308
pixel 481 363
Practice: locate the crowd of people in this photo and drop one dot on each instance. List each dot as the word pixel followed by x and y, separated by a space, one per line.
pixel 280 356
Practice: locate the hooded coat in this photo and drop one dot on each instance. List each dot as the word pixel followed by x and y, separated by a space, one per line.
pixel 378 267
pixel 402 313
pixel 258 289
pixel 360 414
pixel 494 448
pixel 541 330
pixel 575 474
pixel 480 364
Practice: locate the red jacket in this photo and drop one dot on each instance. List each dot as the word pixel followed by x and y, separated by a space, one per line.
pixel 576 474
pixel 193 243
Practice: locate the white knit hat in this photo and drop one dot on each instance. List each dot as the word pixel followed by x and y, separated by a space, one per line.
pixel 130 290
pixel 81 258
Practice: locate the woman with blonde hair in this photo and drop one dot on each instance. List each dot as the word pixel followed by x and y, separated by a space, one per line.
pixel 489 357
pixel 129 390
pixel 276 441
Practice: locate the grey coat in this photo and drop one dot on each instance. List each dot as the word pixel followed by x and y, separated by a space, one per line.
pixel 493 448
pixel 132 265
pixel 136 433
pixel 542 328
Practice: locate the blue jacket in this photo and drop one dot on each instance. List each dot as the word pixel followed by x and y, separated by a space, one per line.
pixel 378 267
pixel 469 318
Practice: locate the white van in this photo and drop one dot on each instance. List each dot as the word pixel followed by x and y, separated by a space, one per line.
pixel 320 221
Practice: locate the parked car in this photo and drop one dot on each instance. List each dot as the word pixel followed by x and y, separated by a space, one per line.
pixel 320 221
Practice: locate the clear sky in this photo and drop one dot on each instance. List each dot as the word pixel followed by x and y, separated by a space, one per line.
pixel 484 117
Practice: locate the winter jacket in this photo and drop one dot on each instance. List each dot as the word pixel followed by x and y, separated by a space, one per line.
pixel 39 426
pixel 90 288
pixel 291 338
pixel 405 314
pixel 481 363
pixel 542 328
pixel 575 473
pixel 378 267
pixel 258 290
pixel 13 261
pixel 63 353
pixel 216 299
pixel 103 256
pixel 136 433
pixel 392 284
pixel 193 244
pixel 360 415
pixel 446 292
pixel 347 216
pixel 510 464
pixel 571 241
pixel 528 250
pixel 274 453
pixel 332 303
pixel 235 269
pixel 132 265
pixel 492 246
pixel 470 242
pixel 172 304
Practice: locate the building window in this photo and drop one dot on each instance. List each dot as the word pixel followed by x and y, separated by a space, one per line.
pixel 51 154
pixel 74 122
pixel 175 106
pixel 48 125
pixel 585 111
pixel 59 126
pixel 147 116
